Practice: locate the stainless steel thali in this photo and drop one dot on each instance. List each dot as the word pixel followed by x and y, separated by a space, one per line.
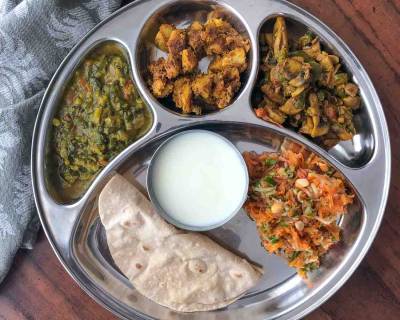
pixel 76 234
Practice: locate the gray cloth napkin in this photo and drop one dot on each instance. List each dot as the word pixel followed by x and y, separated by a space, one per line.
pixel 35 35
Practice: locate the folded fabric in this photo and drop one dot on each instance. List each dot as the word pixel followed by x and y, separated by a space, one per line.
pixel 35 35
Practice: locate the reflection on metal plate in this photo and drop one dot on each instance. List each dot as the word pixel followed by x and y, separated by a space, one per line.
pixel 77 236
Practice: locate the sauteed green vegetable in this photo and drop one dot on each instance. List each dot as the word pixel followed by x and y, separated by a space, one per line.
pixel 101 114
pixel 304 87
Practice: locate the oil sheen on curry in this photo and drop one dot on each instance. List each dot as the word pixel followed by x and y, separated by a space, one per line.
pixel 101 113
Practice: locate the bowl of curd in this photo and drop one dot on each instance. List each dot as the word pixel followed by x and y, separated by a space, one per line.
pixel 197 180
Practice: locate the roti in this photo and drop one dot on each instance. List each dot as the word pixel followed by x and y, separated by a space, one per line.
pixel 184 271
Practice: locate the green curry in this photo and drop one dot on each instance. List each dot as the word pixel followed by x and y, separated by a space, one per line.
pixel 101 114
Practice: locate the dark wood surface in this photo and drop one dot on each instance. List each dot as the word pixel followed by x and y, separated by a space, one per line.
pixel 39 288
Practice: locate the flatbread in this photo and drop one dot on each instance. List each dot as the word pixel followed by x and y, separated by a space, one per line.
pixel 184 271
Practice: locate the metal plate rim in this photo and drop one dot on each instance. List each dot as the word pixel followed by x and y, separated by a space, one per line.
pixel 349 272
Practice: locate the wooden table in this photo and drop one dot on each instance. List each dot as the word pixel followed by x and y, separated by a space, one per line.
pixel 39 288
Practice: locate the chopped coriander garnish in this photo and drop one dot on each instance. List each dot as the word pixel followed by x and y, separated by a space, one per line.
pixel 273 239
pixel 264 227
pixel 270 162
pixel 331 171
pixel 290 172
pixel 268 191
pixel 283 223
pixel 309 212
pixel 310 267
pixel 270 180
pixel 294 255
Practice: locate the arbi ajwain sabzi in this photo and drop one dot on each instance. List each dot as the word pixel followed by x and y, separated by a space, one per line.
pixel 101 113
pixel 296 199
pixel 178 76
pixel 304 87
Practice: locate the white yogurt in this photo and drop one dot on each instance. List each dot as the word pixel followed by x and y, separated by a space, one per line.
pixel 199 179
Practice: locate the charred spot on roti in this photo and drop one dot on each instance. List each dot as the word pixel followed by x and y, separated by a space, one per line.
pixel 145 247
pixel 138 266
pixel 185 272
pixel 236 274
pixel 197 266
pixel 128 222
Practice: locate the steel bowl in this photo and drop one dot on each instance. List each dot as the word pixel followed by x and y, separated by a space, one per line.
pixel 166 215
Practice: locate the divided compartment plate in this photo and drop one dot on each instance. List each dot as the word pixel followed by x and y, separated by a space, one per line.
pixel 74 229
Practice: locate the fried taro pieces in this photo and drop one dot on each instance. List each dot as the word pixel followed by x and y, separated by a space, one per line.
pixel 178 73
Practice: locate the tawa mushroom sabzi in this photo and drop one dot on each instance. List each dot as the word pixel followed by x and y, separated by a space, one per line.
pixel 302 86
pixel 178 76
